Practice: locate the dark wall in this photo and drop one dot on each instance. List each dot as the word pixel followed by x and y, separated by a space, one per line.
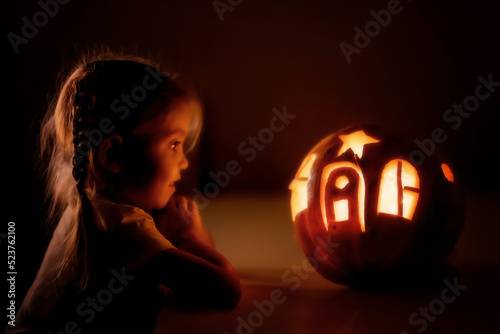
pixel 271 54
pixel 265 55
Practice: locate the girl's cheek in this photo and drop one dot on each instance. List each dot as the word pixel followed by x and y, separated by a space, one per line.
pixel 139 166
pixel 169 165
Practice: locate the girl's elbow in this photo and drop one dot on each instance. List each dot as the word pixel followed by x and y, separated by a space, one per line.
pixel 222 292
pixel 227 294
pixel 232 295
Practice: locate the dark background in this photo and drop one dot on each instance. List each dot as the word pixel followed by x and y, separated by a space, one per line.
pixel 263 55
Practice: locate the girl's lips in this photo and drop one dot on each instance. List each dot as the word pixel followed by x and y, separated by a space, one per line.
pixel 172 184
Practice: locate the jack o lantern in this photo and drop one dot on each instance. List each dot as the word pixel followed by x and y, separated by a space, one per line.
pixel 391 220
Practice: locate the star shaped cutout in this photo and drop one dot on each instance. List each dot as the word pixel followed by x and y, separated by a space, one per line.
pixel 356 141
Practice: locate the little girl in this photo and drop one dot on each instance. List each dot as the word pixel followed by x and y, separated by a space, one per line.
pixel 115 140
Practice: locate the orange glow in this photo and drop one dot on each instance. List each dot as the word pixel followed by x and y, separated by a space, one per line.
pixel 299 186
pixel 399 189
pixel 356 141
pixel 341 182
pixel 341 208
pixel 448 174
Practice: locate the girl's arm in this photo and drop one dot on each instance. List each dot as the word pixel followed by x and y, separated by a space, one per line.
pixel 197 281
pixel 194 269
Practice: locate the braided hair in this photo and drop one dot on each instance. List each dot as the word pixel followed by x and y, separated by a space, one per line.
pixel 83 105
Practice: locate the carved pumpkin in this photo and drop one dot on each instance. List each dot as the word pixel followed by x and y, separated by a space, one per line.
pixel 390 219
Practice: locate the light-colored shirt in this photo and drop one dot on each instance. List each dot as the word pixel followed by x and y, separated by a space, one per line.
pixel 130 235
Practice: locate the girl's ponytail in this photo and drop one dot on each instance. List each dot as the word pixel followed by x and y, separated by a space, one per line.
pixel 61 137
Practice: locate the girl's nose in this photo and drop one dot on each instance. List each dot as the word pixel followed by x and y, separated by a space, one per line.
pixel 184 163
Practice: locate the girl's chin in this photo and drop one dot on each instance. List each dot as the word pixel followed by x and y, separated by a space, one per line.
pixel 169 194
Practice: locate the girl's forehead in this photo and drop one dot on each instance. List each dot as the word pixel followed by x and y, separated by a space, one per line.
pixel 178 118
pixel 174 119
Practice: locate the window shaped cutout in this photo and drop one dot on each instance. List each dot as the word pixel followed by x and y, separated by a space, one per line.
pixel 399 189
pixel 299 186
pixel 342 195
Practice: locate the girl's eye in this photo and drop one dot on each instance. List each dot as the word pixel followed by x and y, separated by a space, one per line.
pixel 174 145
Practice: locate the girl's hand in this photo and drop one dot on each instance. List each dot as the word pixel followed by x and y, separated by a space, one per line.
pixel 181 220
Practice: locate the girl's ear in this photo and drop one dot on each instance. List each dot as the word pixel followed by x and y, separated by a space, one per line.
pixel 108 153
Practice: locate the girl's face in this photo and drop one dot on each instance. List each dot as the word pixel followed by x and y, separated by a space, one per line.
pixel 163 158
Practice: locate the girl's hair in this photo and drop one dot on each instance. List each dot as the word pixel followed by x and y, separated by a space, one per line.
pixel 102 92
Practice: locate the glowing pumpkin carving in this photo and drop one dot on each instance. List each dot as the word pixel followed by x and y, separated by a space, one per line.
pixel 390 219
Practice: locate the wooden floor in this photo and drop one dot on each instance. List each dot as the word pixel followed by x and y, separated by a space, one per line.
pixel 255 233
